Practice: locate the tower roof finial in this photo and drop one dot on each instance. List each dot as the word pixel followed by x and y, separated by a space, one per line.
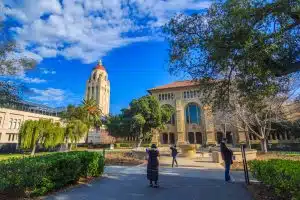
pixel 100 62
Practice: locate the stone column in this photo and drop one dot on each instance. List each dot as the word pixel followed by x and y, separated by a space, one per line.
pixel 180 123
pixel 209 125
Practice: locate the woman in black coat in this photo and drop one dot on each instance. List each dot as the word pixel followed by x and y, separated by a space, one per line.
pixel 152 167
pixel 227 156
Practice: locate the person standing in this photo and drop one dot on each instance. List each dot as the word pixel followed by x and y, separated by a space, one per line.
pixel 227 156
pixel 152 166
pixel 174 155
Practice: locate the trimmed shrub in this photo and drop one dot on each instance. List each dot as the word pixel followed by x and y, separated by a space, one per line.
pixel 38 175
pixel 282 175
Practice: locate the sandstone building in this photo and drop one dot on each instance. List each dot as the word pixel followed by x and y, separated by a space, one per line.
pixel 194 123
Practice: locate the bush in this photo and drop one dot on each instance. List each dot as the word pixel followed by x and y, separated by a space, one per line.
pixel 282 175
pixel 130 145
pixel 39 175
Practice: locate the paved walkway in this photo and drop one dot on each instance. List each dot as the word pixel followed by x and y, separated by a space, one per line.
pixel 129 183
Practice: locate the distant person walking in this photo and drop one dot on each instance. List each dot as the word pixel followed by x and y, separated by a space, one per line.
pixel 153 164
pixel 227 156
pixel 174 155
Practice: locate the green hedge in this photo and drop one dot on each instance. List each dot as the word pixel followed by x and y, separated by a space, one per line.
pixel 282 175
pixel 38 175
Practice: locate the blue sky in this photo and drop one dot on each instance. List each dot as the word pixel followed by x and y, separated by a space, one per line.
pixel 68 37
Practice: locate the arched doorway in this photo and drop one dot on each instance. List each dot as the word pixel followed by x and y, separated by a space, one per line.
pixel 229 138
pixel 191 138
pixel 165 138
pixel 199 138
pixel 172 138
pixel 219 137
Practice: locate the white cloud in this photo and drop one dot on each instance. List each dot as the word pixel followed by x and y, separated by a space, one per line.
pixel 26 79
pixel 48 95
pixel 52 96
pixel 88 29
pixel 47 71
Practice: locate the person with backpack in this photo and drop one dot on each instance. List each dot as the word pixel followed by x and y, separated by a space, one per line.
pixel 174 155
pixel 227 156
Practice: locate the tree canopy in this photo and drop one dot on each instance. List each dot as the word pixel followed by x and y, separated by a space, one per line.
pixel 43 132
pixel 11 65
pixel 143 115
pixel 254 44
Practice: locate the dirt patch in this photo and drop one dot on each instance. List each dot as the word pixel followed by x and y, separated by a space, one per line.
pixel 262 192
pixel 122 158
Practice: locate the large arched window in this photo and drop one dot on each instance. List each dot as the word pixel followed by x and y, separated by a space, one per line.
pixel 192 114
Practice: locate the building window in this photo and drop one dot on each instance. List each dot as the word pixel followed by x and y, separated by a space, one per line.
pixel 184 95
pixel 9 136
pixel 13 137
pixel 172 120
pixel 0 120
pixel 19 123
pixel 0 136
pixel 165 139
pixel 15 123
pixel 192 114
pixel 10 123
pixel 159 97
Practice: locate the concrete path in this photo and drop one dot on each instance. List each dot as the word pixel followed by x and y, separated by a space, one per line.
pixel 129 183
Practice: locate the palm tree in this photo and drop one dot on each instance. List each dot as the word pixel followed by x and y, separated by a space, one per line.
pixel 93 113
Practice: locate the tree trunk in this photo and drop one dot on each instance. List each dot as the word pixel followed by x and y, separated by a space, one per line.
pixel 264 147
pixel 33 150
pixel 140 142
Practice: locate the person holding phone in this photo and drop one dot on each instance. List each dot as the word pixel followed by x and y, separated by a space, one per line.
pixel 227 156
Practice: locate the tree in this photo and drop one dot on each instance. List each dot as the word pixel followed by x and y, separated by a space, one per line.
pixel 42 132
pixel 118 125
pixel 253 44
pixel 137 125
pixel 144 115
pixel 74 131
pixel 92 114
pixel 88 113
pixel 10 65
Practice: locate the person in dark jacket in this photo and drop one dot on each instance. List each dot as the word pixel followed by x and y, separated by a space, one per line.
pixel 152 166
pixel 227 157
pixel 174 155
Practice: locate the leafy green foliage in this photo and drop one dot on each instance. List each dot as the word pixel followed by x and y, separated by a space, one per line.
pixel 251 44
pixel 282 175
pixel 43 132
pixel 75 130
pixel 39 175
pixel 143 115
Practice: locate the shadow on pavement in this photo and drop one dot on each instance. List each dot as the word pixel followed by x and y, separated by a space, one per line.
pixel 130 184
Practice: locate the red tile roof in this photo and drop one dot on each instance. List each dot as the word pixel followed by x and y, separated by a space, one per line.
pixel 176 84
pixel 100 67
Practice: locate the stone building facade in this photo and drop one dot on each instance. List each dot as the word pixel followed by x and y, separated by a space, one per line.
pixel 10 123
pixel 98 88
pixel 194 122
